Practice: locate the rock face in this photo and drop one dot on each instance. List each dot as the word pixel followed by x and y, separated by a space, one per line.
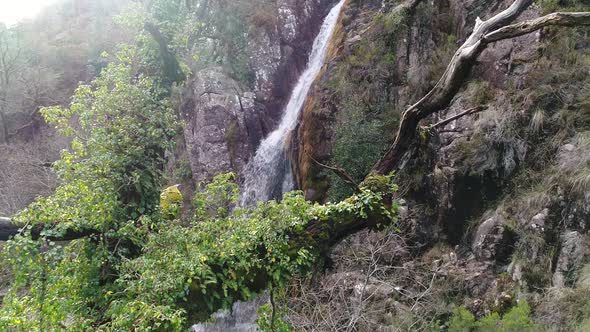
pixel 242 318
pixel 493 240
pixel 224 119
pixel 571 257
pixel 222 124
pixel 451 180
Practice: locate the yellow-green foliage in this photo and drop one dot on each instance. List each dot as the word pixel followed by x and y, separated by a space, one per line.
pixel 378 183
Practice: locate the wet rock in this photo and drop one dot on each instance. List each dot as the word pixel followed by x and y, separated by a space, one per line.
pixel 226 119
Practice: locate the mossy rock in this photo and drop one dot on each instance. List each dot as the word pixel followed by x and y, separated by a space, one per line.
pixel 171 201
pixel 376 183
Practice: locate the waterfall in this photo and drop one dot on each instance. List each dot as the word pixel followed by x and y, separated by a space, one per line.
pixel 268 174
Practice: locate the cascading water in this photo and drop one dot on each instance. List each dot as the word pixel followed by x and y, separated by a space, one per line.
pixel 268 174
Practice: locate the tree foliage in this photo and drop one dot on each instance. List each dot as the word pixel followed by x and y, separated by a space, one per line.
pixel 136 269
pixel 181 271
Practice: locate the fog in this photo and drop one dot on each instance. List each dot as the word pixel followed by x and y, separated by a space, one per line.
pixel 12 11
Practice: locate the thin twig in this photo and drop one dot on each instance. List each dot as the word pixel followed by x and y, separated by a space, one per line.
pixel 434 275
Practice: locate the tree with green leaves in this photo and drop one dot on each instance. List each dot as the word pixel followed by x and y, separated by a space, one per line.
pixel 120 126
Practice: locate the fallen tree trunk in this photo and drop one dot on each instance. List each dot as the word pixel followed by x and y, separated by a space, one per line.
pixel 9 229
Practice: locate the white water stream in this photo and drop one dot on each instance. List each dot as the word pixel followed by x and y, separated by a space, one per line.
pixel 268 174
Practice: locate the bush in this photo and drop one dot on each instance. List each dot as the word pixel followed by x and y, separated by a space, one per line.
pixel 516 319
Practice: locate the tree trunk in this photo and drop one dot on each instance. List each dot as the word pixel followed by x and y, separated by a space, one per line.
pixel 9 229
pixel 3 98
pixel 5 135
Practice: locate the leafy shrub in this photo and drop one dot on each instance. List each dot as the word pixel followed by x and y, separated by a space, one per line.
pixel 110 177
pixel 168 273
pixel 516 319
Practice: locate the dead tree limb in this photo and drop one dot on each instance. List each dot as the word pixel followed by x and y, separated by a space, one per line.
pixel 484 33
pixel 444 122
pixel 526 27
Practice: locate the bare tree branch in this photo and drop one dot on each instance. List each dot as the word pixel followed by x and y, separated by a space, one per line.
pixel 444 122
pixel 172 70
pixel 526 27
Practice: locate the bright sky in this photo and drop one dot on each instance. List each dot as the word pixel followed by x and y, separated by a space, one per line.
pixel 12 11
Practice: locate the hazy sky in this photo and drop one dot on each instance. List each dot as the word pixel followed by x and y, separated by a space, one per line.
pixel 11 11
